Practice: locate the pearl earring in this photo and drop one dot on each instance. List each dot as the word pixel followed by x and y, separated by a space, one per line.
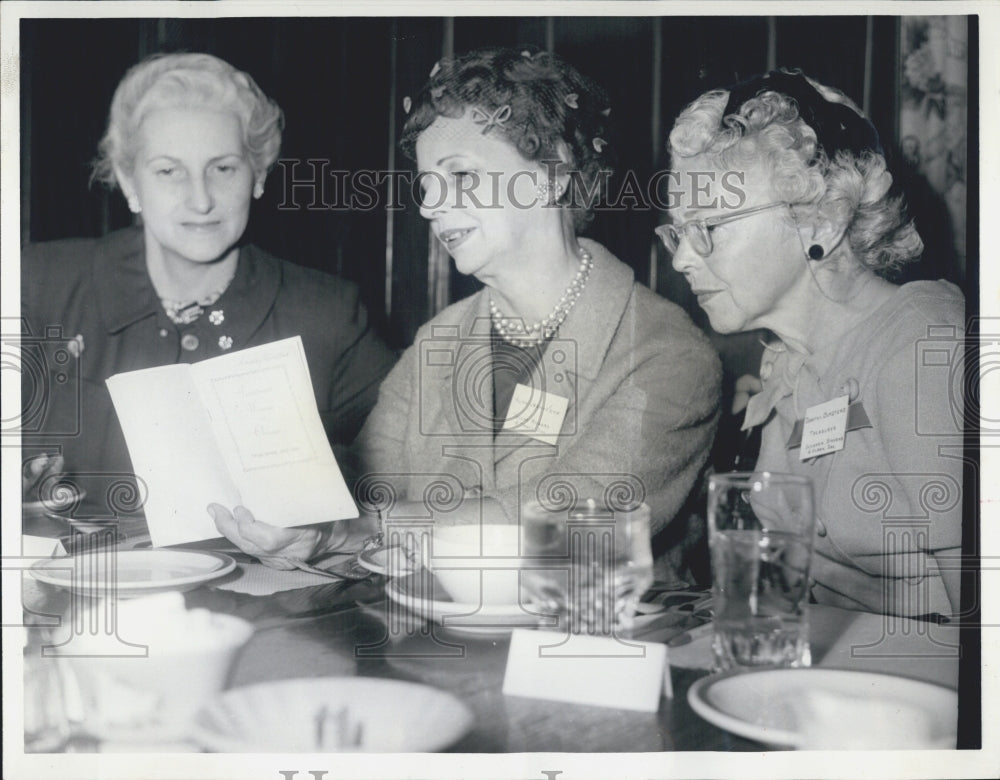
pixel 258 189
pixel 133 205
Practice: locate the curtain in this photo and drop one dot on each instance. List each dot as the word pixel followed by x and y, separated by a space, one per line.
pixel 933 126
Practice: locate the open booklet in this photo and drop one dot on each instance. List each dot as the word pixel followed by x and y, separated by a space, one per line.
pixel 241 428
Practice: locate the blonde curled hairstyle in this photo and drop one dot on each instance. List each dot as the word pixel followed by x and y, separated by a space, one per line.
pixel 823 155
pixel 187 80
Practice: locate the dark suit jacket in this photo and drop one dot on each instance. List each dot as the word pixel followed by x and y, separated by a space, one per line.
pixel 90 311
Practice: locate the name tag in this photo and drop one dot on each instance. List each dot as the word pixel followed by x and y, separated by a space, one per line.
pixel 536 413
pixel 824 428
pixel 857 418
pixel 595 670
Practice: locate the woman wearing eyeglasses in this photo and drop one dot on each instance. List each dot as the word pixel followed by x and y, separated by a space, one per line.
pixel 785 223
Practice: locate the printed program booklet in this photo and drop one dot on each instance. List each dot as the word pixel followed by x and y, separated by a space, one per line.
pixel 241 428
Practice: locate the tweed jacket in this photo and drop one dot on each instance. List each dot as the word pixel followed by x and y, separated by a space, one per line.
pixel 641 382
pixel 90 311
pixel 889 504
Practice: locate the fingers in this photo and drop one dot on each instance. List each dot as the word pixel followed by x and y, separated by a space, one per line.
pixel 37 469
pixel 225 523
pixel 746 386
pixel 243 515
pixel 748 383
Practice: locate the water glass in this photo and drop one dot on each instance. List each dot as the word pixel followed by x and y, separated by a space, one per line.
pixel 761 528
pixel 588 564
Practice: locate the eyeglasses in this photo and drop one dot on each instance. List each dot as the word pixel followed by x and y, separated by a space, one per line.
pixel 698 230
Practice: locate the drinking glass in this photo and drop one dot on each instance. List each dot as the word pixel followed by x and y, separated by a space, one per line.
pixel 761 537
pixel 588 564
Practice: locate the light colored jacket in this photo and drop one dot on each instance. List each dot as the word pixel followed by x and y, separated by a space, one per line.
pixel 642 384
pixel 889 504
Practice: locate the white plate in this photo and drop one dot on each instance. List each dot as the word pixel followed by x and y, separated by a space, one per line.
pixel 136 572
pixel 768 706
pixel 473 619
pixel 285 716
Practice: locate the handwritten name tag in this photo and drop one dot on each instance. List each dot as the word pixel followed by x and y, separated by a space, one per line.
pixel 595 670
pixel 536 413
pixel 824 428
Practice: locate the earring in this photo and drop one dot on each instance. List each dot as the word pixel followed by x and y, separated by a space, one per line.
pixel 816 252
pixel 133 205
pixel 258 189
pixel 548 194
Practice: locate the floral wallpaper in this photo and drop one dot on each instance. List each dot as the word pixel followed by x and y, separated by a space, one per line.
pixel 934 114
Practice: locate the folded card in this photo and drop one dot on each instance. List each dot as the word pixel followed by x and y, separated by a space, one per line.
pixel 580 669
pixel 242 428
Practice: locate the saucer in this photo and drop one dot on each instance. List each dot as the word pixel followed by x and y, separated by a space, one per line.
pixel 422 594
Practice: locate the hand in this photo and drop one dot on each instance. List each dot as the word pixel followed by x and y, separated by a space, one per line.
pixel 746 386
pixel 268 542
pixel 35 471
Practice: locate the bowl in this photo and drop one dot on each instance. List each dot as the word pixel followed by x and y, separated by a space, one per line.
pixel 156 670
pixel 332 715
pixel 478 563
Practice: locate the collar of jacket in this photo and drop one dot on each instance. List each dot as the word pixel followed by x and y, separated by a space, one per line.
pixel 126 294
pixel 597 315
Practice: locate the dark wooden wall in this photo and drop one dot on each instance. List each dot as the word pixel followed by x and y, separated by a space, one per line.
pixel 341 83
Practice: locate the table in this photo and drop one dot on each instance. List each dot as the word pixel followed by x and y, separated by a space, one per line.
pixel 329 630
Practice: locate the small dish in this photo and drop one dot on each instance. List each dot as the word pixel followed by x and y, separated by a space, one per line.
pixel 332 714
pixel 489 620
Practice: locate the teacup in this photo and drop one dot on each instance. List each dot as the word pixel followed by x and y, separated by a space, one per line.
pixel 478 563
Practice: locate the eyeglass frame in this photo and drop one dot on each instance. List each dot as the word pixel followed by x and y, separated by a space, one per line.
pixel 704 226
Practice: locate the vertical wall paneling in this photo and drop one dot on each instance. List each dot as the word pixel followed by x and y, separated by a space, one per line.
pixel 772 43
pixel 438 260
pixel 657 136
pixel 390 214
pixel 550 34
pixel 26 136
pixel 866 99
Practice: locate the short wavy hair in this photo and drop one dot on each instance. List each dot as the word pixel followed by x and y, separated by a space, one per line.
pixel 850 187
pixel 551 103
pixel 187 80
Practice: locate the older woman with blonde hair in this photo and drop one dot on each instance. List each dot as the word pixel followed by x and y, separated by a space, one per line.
pixel 786 222
pixel 190 141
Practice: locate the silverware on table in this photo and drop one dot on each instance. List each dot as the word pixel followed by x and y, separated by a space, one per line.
pixel 346 570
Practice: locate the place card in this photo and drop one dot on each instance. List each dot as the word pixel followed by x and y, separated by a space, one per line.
pixel 593 670
pixel 536 413
pixel 824 428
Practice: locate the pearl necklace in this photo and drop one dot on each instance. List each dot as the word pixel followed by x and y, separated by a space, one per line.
pixel 512 329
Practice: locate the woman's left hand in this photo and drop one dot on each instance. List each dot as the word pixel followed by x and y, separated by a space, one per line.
pixel 273 545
